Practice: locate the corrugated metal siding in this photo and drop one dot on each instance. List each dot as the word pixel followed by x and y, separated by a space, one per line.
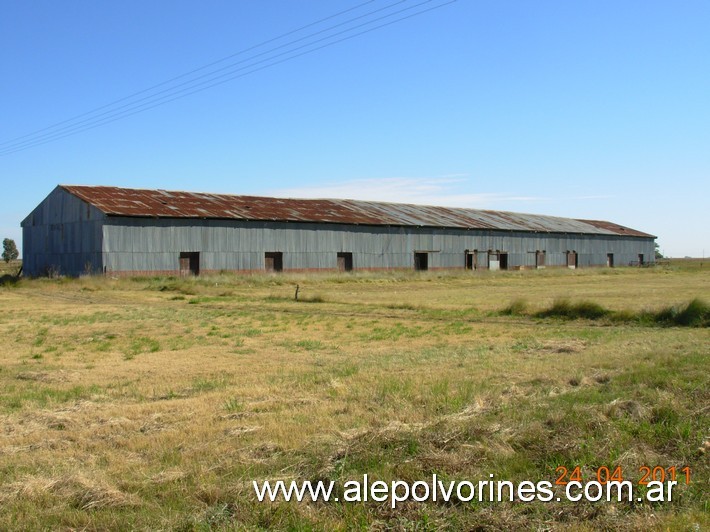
pixel 144 245
pixel 63 234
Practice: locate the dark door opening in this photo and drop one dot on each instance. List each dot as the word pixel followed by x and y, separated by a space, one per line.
pixel 572 259
pixel 273 261
pixel 540 259
pixel 640 259
pixel 503 258
pixel 345 262
pixel 609 260
pixel 472 260
pixel 421 261
pixel 189 263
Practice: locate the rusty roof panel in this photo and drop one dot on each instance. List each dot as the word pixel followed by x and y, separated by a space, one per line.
pixel 616 228
pixel 115 201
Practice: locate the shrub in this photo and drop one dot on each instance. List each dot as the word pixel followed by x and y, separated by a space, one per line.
pixel 9 250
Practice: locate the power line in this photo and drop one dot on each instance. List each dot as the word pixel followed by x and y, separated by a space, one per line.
pixel 95 121
pixel 92 117
pixel 195 85
pixel 180 76
pixel 135 105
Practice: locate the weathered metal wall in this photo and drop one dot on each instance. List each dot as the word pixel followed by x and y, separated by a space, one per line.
pixel 66 235
pixel 63 236
pixel 143 245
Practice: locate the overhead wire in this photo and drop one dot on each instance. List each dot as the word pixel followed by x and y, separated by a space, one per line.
pixel 95 121
pixel 195 85
pixel 112 110
pixel 198 69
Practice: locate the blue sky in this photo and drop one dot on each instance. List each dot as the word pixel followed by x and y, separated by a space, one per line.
pixel 589 109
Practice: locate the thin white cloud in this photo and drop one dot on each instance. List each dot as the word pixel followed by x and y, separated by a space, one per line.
pixel 450 190
pixel 440 190
pixel 574 198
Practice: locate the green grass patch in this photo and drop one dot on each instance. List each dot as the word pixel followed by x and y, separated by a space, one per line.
pixel 695 314
pixel 393 332
pixel 564 308
pixel 233 405
pixel 142 344
pixel 41 337
pixel 208 384
pixel 517 307
pixel 310 345
pixel 38 395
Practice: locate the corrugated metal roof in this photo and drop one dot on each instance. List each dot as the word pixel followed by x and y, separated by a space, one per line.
pixel 115 201
pixel 616 228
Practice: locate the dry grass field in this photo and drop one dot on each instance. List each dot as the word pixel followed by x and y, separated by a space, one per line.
pixel 153 403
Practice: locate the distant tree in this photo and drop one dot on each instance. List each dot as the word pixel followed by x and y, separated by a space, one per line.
pixel 659 255
pixel 9 250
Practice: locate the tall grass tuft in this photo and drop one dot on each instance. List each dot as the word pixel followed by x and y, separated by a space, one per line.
pixel 563 308
pixel 694 314
pixel 517 307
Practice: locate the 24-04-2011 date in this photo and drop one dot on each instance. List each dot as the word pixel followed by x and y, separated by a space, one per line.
pixel 604 474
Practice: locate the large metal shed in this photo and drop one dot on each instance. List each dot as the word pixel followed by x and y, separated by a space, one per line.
pixel 120 231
